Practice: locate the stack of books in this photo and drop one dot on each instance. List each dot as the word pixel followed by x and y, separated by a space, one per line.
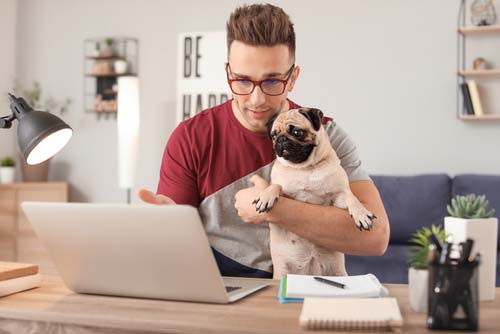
pixel 358 302
pixel 16 277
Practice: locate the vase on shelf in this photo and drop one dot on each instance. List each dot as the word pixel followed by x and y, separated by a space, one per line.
pixel 483 13
pixel 34 173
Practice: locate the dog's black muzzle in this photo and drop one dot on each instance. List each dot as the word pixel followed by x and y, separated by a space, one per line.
pixel 292 150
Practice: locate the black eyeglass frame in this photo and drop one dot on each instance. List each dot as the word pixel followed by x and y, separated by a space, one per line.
pixel 259 83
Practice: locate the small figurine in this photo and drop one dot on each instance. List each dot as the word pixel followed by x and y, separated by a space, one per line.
pixel 479 64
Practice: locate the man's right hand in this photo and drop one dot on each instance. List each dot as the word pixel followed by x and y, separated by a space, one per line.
pixel 152 198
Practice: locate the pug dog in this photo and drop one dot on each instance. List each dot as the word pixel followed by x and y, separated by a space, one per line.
pixel 306 169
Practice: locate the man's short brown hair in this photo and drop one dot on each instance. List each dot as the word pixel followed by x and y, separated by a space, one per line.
pixel 261 24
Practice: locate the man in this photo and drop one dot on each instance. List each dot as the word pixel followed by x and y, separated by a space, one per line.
pixel 211 160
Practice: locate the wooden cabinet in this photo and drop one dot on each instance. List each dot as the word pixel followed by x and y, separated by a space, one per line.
pixel 18 241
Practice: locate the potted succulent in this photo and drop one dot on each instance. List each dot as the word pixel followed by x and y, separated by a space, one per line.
pixel 470 218
pixel 418 274
pixel 109 48
pixel 7 170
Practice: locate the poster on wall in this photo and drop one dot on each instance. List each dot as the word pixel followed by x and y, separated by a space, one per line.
pixel 201 79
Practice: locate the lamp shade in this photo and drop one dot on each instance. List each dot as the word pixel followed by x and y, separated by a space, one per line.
pixel 40 135
pixel 128 120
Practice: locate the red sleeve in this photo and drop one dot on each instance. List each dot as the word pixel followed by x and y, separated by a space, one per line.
pixel 178 172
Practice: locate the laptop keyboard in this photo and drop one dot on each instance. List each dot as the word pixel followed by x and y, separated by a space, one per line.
pixel 232 288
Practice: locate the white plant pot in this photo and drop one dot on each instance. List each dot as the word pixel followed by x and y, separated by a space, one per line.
pixel 484 232
pixel 120 66
pixel 418 285
pixel 7 174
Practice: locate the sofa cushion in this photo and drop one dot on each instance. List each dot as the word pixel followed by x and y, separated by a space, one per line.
pixel 389 268
pixel 488 185
pixel 412 202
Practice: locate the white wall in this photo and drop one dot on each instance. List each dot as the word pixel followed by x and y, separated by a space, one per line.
pixel 385 70
pixel 8 18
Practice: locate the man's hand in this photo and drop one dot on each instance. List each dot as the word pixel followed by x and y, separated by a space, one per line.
pixel 152 198
pixel 245 197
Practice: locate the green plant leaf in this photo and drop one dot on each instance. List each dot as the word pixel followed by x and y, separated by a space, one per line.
pixel 420 241
pixel 469 206
pixel 7 161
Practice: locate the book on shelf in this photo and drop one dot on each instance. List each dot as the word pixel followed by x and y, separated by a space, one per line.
pixel 16 277
pixel 475 98
pixel 351 314
pixel 469 109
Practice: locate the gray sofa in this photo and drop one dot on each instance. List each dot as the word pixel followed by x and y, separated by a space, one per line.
pixel 411 203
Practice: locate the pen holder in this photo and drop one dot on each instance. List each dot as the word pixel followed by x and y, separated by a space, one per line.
pixel 453 296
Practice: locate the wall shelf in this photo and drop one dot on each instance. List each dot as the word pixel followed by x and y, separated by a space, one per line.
pixel 103 112
pixel 105 57
pixel 486 117
pixel 105 60
pixel 110 75
pixel 465 71
pixel 480 73
pixel 477 30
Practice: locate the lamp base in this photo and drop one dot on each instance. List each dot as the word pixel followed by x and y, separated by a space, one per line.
pixel 34 173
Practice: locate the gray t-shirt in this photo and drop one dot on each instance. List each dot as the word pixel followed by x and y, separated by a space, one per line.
pixel 237 243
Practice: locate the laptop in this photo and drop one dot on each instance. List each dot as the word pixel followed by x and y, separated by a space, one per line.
pixel 144 251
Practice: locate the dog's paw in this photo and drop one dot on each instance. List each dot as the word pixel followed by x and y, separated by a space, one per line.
pixel 267 199
pixel 363 218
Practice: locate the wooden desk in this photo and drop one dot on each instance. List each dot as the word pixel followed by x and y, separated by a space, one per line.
pixel 54 308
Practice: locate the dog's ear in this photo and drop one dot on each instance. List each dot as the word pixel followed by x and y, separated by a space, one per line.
pixel 314 115
pixel 269 125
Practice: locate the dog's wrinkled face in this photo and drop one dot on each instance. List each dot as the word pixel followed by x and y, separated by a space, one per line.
pixel 294 133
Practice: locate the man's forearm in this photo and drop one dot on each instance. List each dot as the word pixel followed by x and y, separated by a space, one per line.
pixel 332 227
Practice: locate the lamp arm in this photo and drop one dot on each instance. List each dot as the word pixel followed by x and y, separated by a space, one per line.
pixel 18 106
pixel 6 121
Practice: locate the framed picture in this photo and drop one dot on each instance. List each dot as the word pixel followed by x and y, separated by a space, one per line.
pixel 201 80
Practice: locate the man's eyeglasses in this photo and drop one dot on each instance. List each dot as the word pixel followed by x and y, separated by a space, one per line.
pixel 272 87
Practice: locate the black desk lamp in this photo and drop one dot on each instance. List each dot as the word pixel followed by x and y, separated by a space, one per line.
pixel 40 134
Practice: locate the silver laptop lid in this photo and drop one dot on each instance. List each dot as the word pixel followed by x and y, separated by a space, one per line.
pixel 129 250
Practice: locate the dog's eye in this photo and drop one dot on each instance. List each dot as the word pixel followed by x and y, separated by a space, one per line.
pixel 273 134
pixel 298 133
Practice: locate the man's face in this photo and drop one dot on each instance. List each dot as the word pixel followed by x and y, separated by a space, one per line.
pixel 257 63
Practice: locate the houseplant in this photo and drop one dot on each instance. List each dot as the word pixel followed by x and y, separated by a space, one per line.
pixel 109 48
pixel 418 274
pixel 7 170
pixel 34 97
pixel 470 218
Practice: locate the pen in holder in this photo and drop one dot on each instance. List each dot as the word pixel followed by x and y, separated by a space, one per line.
pixel 453 292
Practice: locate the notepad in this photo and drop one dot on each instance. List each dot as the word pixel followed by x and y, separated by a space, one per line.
pixel 351 313
pixel 359 286
pixel 10 270
pixel 16 277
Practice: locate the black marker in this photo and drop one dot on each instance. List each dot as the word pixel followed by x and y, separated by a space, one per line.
pixel 466 250
pixel 445 253
pixel 432 255
pixel 434 239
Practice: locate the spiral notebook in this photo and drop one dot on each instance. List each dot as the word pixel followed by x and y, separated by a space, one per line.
pixel 351 314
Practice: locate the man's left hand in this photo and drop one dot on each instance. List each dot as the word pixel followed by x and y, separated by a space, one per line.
pixel 244 201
